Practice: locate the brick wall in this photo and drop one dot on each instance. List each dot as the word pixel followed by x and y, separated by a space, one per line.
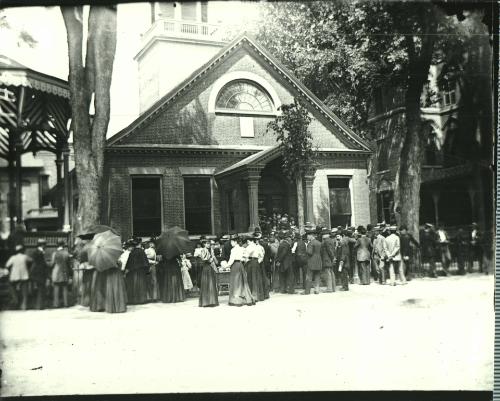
pixel 187 121
pixel 120 215
pixel 354 169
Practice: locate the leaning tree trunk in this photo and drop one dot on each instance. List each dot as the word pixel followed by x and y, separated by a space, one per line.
pixel 300 203
pixel 87 82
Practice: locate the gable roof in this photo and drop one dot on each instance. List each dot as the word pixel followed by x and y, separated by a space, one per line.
pixel 242 39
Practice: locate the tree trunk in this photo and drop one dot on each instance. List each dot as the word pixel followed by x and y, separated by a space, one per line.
pixel 89 132
pixel 409 176
pixel 410 173
pixel 300 203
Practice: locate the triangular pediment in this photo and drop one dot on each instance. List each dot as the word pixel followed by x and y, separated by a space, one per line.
pixel 242 45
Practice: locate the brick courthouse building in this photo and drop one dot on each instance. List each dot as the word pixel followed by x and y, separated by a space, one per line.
pixel 200 157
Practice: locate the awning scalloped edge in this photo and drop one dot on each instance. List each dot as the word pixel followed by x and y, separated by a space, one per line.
pixel 12 79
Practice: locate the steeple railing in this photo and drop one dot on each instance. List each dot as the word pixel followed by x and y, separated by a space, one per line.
pixel 182 29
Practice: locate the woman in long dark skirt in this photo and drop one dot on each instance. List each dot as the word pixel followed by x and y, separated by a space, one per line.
pixel 87 274
pixel 98 291
pixel 116 292
pixel 208 279
pixel 254 271
pixel 170 281
pixel 239 291
pixel 136 270
pixel 261 255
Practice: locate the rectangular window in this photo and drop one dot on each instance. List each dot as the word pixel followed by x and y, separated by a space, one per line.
pixel 188 11
pixel 198 205
pixel 386 207
pixel 204 11
pixel 448 96
pixel 167 10
pixel 246 127
pixel 340 201
pixel 146 206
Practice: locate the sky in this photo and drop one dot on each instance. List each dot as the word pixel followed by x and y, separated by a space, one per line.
pixel 50 55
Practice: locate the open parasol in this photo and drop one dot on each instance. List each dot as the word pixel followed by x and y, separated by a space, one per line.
pixel 173 242
pixel 104 250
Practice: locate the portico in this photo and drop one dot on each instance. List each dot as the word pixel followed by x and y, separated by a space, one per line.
pixel 246 183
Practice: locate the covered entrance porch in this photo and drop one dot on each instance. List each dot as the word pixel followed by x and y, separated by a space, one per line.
pixel 255 188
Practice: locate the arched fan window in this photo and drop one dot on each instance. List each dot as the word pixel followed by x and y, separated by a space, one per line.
pixel 244 96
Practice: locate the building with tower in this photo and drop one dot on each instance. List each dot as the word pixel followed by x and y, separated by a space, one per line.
pixel 199 155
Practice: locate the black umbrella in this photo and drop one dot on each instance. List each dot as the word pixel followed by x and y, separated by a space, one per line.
pixel 173 242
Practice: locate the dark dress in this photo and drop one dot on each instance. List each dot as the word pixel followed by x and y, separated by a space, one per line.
pixel 87 275
pixel 136 279
pixel 170 281
pixel 255 279
pixel 239 291
pixel 208 286
pixel 98 291
pixel 116 292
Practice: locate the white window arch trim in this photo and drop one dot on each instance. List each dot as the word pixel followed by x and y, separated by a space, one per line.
pixel 243 75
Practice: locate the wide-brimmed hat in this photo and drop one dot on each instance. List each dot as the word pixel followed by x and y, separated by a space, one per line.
pixel 257 235
pixel 131 242
pixel 429 225
pixel 334 231
pixel 19 247
pixel 41 241
pixel 234 237
pixel 325 231
pixel 225 237
pixel 393 228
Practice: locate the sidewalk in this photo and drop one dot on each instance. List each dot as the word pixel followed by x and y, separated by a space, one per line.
pixel 432 334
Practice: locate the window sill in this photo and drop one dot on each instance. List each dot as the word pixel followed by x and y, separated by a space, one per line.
pixel 245 113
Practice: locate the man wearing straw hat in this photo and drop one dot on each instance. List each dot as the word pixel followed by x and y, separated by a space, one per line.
pixel 394 256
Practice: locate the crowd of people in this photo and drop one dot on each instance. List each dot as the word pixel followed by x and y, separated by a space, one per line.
pixel 258 264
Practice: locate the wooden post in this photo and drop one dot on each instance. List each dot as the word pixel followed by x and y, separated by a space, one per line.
pixel 309 181
pixel 19 182
pixel 12 189
pixel 67 197
pixel 435 199
pixel 253 198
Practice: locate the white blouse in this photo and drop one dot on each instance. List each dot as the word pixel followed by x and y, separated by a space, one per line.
pixel 236 255
pixel 260 252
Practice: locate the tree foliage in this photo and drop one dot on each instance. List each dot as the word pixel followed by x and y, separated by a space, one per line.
pixel 24 38
pixel 291 128
pixel 345 51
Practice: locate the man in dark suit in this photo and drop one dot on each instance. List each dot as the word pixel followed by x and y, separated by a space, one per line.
pixel 428 244
pixel 314 264
pixel 476 248
pixel 300 251
pixel 328 259
pixel 39 273
pixel 407 254
pixel 284 260
pixel 343 259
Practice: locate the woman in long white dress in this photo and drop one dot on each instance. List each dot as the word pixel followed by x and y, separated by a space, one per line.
pixel 239 291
